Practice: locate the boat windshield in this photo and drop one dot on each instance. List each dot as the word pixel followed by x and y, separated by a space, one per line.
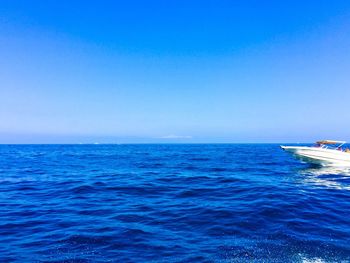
pixel 329 144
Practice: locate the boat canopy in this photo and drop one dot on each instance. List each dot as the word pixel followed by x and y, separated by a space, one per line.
pixel 330 142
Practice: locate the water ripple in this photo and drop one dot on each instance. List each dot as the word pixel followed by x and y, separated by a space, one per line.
pixel 169 203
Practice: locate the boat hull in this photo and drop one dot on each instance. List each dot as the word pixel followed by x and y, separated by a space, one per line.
pixel 321 156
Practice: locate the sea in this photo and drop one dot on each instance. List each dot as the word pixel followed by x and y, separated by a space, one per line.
pixel 170 203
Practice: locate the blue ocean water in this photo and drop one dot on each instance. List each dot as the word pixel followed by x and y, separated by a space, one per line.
pixel 170 203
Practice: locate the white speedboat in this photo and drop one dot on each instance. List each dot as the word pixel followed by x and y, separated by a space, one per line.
pixel 326 153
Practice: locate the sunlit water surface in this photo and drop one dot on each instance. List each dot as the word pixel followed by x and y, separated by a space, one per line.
pixel 170 203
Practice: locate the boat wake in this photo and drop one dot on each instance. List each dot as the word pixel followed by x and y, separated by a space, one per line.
pixel 326 170
pixel 327 176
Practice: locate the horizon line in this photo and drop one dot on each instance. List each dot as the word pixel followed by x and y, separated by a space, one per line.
pixel 135 143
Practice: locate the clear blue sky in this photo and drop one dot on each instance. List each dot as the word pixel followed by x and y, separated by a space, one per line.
pixel 174 71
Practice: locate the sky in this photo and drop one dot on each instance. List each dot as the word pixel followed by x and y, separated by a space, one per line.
pixel 174 71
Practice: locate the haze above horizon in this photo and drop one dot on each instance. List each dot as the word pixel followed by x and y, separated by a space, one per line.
pixel 181 71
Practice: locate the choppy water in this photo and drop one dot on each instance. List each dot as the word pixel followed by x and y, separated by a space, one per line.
pixel 170 203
